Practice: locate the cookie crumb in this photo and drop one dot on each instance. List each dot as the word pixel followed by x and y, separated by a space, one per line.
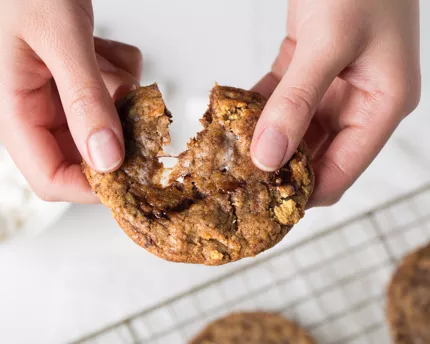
pixel 298 170
pixel 216 255
pixel 287 212
pixel 285 191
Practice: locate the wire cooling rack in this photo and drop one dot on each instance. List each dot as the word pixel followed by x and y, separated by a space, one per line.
pixel 333 284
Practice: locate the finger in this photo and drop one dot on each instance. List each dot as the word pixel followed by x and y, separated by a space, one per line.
pixel 293 7
pixel 266 85
pixel 315 137
pixel 292 105
pixel 67 48
pixel 55 179
pixel 325 124
pixel 126 57
pixel 117 81
pixel 37 154
pixel 270 81
pixel 352 151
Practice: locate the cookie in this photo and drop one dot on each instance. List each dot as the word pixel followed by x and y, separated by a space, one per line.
pixel 253 328
pixel 214 206
pixel 408 306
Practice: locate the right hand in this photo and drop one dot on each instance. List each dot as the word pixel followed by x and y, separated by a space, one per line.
pixel 57 85
pixel 347 74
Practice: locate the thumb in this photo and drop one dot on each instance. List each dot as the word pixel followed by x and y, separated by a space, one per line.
pixel 67 48
pixel 289 110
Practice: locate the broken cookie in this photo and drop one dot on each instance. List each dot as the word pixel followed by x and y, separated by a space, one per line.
pixel 214 206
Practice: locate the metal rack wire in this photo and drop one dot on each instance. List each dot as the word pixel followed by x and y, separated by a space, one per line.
pixel 333 284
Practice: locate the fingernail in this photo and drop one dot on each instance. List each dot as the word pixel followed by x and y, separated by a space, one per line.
pixel 270 150
pixel 105 65
pixel 105 151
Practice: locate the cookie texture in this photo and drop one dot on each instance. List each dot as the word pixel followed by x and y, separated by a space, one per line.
pixel 408 307
pixel 253 328
pixel 214 206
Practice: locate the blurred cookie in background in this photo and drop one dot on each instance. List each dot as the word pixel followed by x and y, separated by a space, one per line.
pixel 408 308
pixel 253 328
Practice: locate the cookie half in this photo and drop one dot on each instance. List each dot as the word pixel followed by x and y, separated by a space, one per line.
pixel 253 328
pixel 408 306
pixel 214 206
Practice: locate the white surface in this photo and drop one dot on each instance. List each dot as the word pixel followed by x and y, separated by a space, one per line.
pixel 318 283
pixel 84 272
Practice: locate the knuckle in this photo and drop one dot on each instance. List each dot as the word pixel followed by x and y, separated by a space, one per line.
pixel 336 172
pixel 285 55
pixel 49 198
pixel 333 168
pixel 406 95
pixel 84 99
pixel 300 98
pixel 53 187
pixel 14 107
pixel 47 188
pixel 286 44
pixel 320 199
pixel 333 199
pixel 413 95
pixel 135 51
pixel 137 58
pixel 46 195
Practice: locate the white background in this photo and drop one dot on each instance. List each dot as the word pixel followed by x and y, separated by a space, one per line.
pixel 84 272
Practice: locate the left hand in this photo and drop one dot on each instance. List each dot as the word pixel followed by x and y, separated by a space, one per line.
pixel 345 77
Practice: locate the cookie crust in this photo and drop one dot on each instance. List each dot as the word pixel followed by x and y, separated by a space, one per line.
pixel 214 206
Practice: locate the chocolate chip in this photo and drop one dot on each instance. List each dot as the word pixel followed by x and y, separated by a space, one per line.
pixel 281 177
pixel 231 186
pixel 285 175
pixel 185 204
pixel 159 214
pixel 179 187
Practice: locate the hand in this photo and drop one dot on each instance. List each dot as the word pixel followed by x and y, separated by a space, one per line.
pixel 56 87
pixel 345 77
